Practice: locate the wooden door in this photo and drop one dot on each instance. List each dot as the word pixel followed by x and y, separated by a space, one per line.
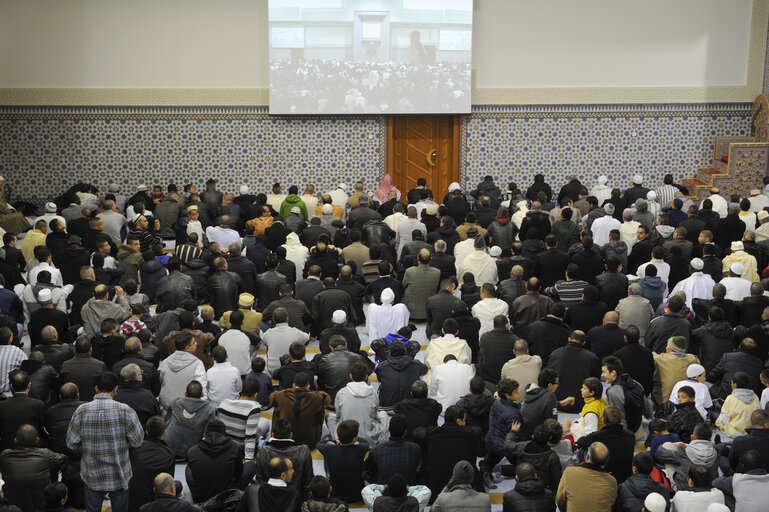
pixel 423 147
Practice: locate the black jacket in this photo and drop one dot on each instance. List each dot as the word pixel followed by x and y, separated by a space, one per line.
pixel 545 335
pixel 44 379
pixel 538 220
pixel 662 328
pixel 590 264
pixel 396 374
pixel 333 369
pixel 306 289
pixel 640 254
pixel 419 412
pixel 57 419
pixel 147 461
pixel 198 270
pixel 16 411
pixel 172 290
pixel 223 290
pixel 357 292
pixel 286 373
pixel 502 233
pixel 82 370
pixel 360 215
pixel 82 292
pixel 47 316
pixel 496 348
pixel 638 362
pixel 349 333
pixel 606 339
pixel 72 259
pixel 261 497
pixel 468 329
pixel 510 289
pixel 445 263
pixel 683 421
pixel 446 233
pixel 756 439
pixel 325 303
pixel 150 375
pixel 245 268
pixel 214 464
pixel 574 363
pixel 376 232
pixel 729 229
pixel 710 342
pixel 621 444
pixel 529 495
pixel 56 353
pixel 276 235
pixel 443 447
pixel 538 405
pixel 738 361
pixel 138 398
pixel 551 266
pixel 612 286
pixel 328 261
pixel 266 287
pixel 477 408
pixel 585 314
pixel 298 314
pixel 26 471
pixel 438 309
pixel 632 493
pixel 168 503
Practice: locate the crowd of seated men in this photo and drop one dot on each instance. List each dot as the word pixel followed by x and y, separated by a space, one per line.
pixel 599 349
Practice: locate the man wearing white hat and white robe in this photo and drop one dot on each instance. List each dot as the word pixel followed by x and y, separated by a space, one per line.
pixel 698 285
pixel 387 318
pixel 339 196
pixel 720 205
pixel 758 201
pixel 737 288
pixel 652 205
pixel 50 214
pixel 695 377
pixel 603 225
pixel 636 191
pixel 762 231
pixel 601 191
pixel 479 263
pixel 748 262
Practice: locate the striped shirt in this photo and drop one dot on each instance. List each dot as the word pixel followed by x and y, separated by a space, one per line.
pixel 11 358
pixel 241 421
pixel 187 252
pixel 105 429
pixel 665 195
pixel 568 292
pixel 370 271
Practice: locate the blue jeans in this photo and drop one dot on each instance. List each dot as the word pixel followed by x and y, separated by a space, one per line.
pixel 94 500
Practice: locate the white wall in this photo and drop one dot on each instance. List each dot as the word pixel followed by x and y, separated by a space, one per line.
pixel 518 44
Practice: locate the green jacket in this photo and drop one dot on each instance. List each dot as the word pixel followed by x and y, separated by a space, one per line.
pixel 291 201
pixel 567 233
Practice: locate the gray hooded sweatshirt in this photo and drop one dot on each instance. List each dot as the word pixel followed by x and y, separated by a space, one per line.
pixel 699 451
pixel 176 371
pixel 186 422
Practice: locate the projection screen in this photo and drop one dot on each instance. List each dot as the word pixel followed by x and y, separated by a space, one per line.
pixel 370 56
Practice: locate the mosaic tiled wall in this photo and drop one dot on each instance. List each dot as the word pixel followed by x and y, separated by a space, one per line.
pixel 43 150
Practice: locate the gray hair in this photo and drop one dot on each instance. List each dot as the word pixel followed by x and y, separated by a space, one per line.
pixel 440 246
pixel 635 289
pixel 130 373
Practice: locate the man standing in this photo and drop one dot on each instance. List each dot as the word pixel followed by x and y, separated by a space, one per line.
pixel 104 430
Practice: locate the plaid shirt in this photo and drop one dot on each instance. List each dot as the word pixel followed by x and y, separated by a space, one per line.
pixel 105 429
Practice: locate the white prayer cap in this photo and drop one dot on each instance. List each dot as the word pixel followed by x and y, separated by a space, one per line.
pixel 244 189
pixel 698 264
pixel 638 179
pixel 44 295
pixel 296 209
pixel 717 507
pixel 343 186
pixel 654 502
pixel 652 195
pixel 454 186
pixel 738 268
pixel 495 251
pixel 694 370
pixel 141 188
pixel 339 317
pixel 327 209
pixel 387 296
pixel 737 246
pixel 602 180
pixel 114 187
pixel 50 207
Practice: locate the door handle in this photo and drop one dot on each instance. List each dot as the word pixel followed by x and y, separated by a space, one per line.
pixel 431 156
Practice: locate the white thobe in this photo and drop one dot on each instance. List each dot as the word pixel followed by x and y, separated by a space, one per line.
pixel 628 233
pixel 696 286
pixel 486 310
pixel 601 227
pixel 481 265
pixel 385 319
pixel 720 206
pixel 737 288
pixel 450 382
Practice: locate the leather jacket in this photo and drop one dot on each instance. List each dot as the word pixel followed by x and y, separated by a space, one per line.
pixel 174 289
pixel 376 232
pixel 223 290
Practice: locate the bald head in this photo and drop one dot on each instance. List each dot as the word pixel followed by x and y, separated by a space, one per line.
pixel 411 212
pixel 132 345
pixel 164 484
pixel 598 454
pixel 611 317
pixel 521 347
pixel 49 334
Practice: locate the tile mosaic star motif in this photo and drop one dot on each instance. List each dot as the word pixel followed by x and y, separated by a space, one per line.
pixel 44 150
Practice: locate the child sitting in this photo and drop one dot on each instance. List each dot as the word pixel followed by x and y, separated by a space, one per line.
pixel 320 497
pixel 591 417
pixel 659 435
pixel 504 413
pixel 738 406
pixel 686 417
pixel 343 461
pixel 134 324
pixel 563 447
pixel 257 373
pixel 536 452
pixel 477 403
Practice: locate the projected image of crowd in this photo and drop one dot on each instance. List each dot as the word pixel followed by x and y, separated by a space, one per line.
pixel 333 86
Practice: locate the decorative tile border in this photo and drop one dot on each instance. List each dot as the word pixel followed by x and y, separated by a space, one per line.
pixel 41 146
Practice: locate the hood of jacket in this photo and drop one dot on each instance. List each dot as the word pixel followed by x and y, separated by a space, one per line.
pixel 641 485
pixel 215 443
pixel 534 394
pixel 151 266
pixel 477 404
pixel 123 251
pixel 446 231
pixel 31 366
pixel 293 199
pixel 400 363
pixel 745 395
pixel 665 231
pixel 619 247
pixel 196 264
pixel 702 452
pixel 192 405
pixel 720 329
pixel 653 282
pixel 359 389
pixel 180 360
pixel 530 487
pixel 502 220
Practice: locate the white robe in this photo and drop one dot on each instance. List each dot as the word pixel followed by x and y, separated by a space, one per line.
pixel 601 227
pixel 602 193
pixel 296 253
pixel 449 383
pixel 385 319
pixel 758 203
pixel 486 310
pixel 628 233
pixel 737 288
pixel 720 206
pixel 702 397
pixel 462 250
pixel 696 286
pixel 481 265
